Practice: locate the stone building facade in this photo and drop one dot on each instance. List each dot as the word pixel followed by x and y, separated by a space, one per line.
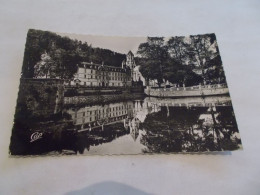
pixel 100 75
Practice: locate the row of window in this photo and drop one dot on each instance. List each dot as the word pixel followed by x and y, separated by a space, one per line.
pixel 108 78
pixel 104 72
pixel 95 118
pixel 104 84
pixel 95 112
pixel 93 123
pixel 95 67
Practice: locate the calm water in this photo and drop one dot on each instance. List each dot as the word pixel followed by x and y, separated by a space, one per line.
pixel 149 125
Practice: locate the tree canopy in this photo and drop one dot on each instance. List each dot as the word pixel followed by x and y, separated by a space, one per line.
pixel 154 58
pixel 177 59
pixel 64 55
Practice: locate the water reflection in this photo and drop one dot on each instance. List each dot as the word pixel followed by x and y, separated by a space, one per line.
pixel 149 125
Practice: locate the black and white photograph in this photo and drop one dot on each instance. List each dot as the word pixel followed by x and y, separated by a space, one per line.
pixel 106 95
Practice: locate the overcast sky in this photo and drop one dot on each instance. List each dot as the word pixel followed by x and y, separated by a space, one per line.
pixel 114 43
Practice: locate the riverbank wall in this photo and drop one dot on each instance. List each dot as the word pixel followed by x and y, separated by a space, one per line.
pixel 101 98
pixel 195 91
pixel 100 95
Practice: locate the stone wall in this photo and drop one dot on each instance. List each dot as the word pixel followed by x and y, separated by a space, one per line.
pixel 85 91
pixel 99 99
pixel 188 91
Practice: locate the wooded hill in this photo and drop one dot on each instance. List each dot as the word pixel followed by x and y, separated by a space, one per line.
pixel 64 55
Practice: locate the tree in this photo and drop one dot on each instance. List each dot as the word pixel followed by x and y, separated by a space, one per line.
pixel 65 63
pixel 45 67
pixel 215 72
pixel 154 58
pixel 167 61
pixel 203 49
pixel 178 48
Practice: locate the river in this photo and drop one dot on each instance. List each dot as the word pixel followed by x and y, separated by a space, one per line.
pixel 145 125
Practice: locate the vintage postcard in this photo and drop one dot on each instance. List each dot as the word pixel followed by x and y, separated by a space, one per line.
pixel 99 95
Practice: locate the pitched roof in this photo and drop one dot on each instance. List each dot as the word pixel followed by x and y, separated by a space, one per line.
pixel 130 53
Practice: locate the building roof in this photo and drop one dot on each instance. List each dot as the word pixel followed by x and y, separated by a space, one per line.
pixel 130 53
pixel 100 66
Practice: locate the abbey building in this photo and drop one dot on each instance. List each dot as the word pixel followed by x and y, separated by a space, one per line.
pixel 100 75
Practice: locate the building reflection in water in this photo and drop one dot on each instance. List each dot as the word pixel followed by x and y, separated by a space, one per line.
pixel 93 117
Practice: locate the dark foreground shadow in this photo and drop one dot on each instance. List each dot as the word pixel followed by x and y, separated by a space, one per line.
pixel 107 188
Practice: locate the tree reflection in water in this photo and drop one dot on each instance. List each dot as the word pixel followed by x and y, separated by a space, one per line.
pixel 191 129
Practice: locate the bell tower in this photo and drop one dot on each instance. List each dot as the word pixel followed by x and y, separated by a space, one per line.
pixel 130 62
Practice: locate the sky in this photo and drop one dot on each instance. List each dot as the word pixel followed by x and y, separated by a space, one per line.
pixel 115 43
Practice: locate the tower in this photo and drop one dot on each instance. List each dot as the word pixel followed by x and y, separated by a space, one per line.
pixel 130 61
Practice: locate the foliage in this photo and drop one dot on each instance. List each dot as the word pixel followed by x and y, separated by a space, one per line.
pixel 167 131
pixel 178 49
pixel 215 72
pixel 44 67
pixel 175 60
pixel 155 55
pixel 62 55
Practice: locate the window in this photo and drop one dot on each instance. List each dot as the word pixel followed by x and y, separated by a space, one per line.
pixel 84 83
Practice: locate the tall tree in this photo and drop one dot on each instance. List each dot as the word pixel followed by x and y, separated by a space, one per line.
pixel 45 67
pixel 215 72
pixel 65 62
pixel 178 49
pixel 154 58
pixel 202 50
